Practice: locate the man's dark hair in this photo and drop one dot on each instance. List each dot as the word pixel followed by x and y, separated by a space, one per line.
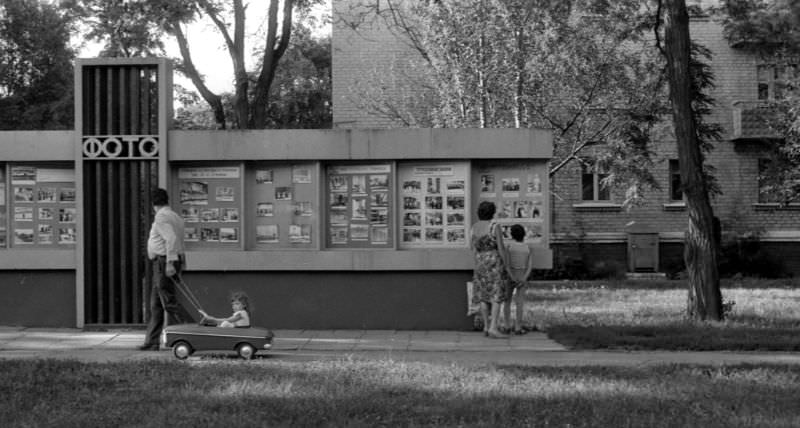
pixel 486 210
pixel 160 197
pixel 518 232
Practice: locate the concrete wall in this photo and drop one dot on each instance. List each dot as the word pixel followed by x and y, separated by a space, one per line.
pixel 341 300
pixel 37 298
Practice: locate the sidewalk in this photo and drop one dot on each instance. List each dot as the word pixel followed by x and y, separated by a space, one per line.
pixel 467 347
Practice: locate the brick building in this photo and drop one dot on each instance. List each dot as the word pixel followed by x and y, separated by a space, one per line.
pixel 593 227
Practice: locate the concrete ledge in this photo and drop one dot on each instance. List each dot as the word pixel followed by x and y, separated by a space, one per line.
pixel 368 144
pixel 37 259
pixel 37 146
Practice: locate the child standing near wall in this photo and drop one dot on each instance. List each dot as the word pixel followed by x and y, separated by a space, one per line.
pixel 519 267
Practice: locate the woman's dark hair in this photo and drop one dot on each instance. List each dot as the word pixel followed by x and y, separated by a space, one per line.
pixel 486 210
pixel 518 232
pixel 160 197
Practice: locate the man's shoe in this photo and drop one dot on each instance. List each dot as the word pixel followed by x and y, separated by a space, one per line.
pixel 148 348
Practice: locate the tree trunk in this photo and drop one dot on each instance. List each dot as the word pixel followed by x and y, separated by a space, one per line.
pixel 700 249
pixel 273 51
pixel 241 102
pixel 213 100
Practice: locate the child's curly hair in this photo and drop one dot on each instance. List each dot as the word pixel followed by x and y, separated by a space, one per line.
pixel 241 297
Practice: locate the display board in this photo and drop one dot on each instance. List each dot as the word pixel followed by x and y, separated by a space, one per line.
pixel 433 204
pixel 3 217
pixel 282 204
pixel 42 202
pixel 210 202
pixel 519 192
pixel 359 206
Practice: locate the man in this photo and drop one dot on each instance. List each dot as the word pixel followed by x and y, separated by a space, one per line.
pixel 165 251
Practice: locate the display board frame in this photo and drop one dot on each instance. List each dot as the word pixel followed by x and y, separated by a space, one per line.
pixel 520 192
pixel 433 204
pixel 210 199
pixel 41 198
pixel 283 205
pixel 359 205
pixel 3 207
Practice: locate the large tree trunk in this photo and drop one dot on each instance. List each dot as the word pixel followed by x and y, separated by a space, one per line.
pixel 214 101
pixel 273 51
pixel 700 247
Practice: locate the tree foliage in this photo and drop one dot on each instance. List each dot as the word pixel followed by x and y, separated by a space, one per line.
pixel 771 30
pixel 134 28
pixel 35 66
pixel 760 24
pixel 300 96
pixel 582 68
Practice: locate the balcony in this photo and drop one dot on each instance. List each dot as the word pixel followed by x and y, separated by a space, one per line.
pixel 751 121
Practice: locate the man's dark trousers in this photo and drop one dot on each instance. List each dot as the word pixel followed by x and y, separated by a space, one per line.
pixel 162 297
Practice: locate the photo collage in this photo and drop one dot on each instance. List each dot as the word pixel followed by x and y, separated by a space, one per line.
pixel 209 204
pixel 359 206
pixel 434 209
pixel 518 197
pixel 284 211
pixel 3 217
pixel 43 206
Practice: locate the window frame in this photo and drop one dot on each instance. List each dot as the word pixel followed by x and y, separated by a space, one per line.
pixel 600 193
pixel 774 78
pixel 674 173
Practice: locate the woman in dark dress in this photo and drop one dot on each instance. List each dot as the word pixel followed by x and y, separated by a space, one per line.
pixel 490 280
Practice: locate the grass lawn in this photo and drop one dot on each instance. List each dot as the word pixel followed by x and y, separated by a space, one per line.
pixel 638 315
pixel 351 392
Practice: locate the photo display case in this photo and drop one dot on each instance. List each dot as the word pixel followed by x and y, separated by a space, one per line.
pixel 210 202
pixel 359 206
pixel 3 216
pixel 41 206
pixel 519 192
pixel 282 204
pixel 433 204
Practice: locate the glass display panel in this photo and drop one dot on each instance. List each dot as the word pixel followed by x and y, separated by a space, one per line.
pixel 210 201
pixel 519 191
pixel 433 205
pixel 3 217
pixel 283 204
pixel 359 206
pixel 42 202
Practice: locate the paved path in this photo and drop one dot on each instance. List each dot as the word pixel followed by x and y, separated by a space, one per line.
pixel 464 347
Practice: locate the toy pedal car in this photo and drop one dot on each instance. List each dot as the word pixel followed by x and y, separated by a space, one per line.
pixel 185 339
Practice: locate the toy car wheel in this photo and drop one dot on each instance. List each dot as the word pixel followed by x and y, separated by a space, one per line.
pixel 182 350
pixel 246 350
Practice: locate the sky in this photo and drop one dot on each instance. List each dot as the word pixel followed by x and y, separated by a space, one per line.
pixel 208 51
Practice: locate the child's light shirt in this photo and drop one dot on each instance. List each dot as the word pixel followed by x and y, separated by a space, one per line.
pixel 244 319
pixel 518 254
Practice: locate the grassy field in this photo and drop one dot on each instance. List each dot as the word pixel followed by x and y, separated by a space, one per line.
pixel 350 392
pixel 764 315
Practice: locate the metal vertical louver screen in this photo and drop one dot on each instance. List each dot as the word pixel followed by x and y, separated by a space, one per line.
pixel 118 101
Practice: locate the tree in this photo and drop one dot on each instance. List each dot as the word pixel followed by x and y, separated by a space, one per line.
pixel 700 246
pixel 761 25
pixel 300 95
pixel 301 92
pixel 583 69
pixel 251 95
pixel 771 30
pixel 35 66
pixel 523 63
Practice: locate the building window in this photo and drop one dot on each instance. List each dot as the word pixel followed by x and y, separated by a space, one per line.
pixel 766 193
pixel 773 80
pixel 592 188
pixel 675 188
